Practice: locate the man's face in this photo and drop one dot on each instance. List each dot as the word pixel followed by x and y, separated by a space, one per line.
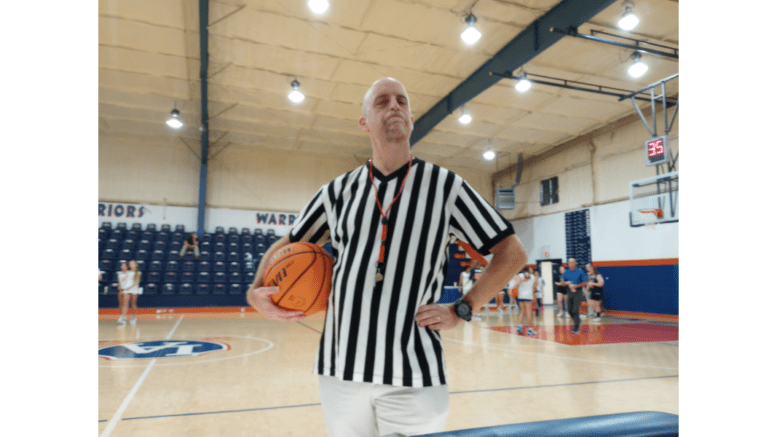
pixel 572 263
pixel 386 111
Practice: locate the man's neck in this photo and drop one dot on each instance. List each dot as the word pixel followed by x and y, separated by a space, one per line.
pixel 387 158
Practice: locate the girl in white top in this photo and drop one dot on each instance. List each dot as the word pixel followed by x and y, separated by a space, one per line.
pixel 527 283
pixel 129 281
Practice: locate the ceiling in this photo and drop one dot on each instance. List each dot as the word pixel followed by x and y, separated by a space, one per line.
pixel 149 62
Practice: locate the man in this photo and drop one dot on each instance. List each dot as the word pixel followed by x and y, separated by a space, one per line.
pixel 192 244
pixel 390 223
pixel 575 279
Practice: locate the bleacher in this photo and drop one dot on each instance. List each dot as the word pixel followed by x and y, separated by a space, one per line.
pixel 221 270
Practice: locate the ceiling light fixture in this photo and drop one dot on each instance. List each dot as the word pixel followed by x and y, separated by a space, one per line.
pixel 629 19
pixel 318 6
pixel 295 95
pixel 638 68
pixel 523 84
pixel 465 118
pixel 489 154
pixel 174 122
pixel 471 34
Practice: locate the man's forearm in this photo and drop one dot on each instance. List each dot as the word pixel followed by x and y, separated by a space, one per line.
pixel 509 257
pixel 258 276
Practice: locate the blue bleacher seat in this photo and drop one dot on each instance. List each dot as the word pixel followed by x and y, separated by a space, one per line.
pixel 219 266
pixel 232 230
pixel 188 277
pixel 155 266
pixel 270 232
pixel 171 276
pixel 163 236
pixel 101 245
pixel 151 227
pixel 218 238
pixel 245 231
pixel 106 265
pixel 172 265
pixel 122 226
pixel 113 288
pixel 132 235
pixel 219 230
pixel 141 255
pixel 219 257
pixel 205 256
pixel 157 255
pixel 234 257
pixel 203 288
pixel 116 234
pixel 248 277
pixel 180 228
pixel 175 245
pixel 165 227
pixel 188 266
pixel 112 244
pixel 205 246
pixel 203 277
pixel 106 226
pixel 136 227
pixel 259 248
pixel 218 247
pixel 151 288
pixel 102 234
pixel 219 289
pixel 234 238
pixel 145 245
pixel 148 235
pixel 203 266
pixel 220 277
pixel 169 288
pixel 108 254
pixel 246 239
pixel 237 289
pixel 153 276
pixel 248 267
pixel 247 248
pixel 234 266
pixel 141 265
pixel 128 244
pixel 178 236
pixel 126 254
pixel 233 247
pixel 189 256
pixel 160 245
pixel 173 254
pixel 186 288
pixel 270 239
pixel 205 238
pixel 235 278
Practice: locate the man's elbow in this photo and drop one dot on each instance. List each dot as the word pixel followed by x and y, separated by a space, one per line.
pixel 514 252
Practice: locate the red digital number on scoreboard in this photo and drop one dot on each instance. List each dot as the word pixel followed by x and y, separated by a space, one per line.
pixel 655 148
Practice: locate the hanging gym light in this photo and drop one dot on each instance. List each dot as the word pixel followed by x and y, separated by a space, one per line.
pixel 318 6
pixel 629 19
pixel 523 84
pixel 295 95
pixel 638 68
pixel 471 34
pixel 489 154
pixel 465 118
pixel 174 121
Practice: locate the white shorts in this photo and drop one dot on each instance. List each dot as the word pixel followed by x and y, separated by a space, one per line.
pixel 363 409
pixel 134 290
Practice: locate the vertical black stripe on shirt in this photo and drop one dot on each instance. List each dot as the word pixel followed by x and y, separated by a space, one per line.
pixel 360 270
pixel 473 222
pixel 442 225
pixel 476 199
pixel 416 269
pixel 311 217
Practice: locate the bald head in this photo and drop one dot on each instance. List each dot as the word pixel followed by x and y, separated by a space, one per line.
pixel 368 96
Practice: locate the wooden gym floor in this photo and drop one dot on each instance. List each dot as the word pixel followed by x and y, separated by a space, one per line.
pixel 259 379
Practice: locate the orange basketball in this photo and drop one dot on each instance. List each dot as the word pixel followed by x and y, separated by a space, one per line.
pixel 303 272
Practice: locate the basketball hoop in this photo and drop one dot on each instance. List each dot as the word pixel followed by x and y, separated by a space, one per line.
pixel 650 217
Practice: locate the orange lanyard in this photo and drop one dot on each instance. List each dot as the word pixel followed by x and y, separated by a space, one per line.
pixel 384 219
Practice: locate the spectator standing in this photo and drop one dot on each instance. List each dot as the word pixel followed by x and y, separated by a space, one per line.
pixel 575 279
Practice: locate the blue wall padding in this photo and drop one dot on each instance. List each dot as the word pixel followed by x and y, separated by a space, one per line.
pixel 643 289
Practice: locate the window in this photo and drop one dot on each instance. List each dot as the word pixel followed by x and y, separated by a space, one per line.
pixel 549 191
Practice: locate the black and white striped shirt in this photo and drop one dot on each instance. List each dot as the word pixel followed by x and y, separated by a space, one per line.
pixel 369 333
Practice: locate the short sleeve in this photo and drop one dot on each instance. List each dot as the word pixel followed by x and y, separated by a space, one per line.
pixel 476 222
pixel 311 225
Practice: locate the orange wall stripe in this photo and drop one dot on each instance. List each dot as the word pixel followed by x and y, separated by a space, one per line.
pixel 638 262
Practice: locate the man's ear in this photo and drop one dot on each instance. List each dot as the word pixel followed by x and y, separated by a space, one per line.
pixel 363 124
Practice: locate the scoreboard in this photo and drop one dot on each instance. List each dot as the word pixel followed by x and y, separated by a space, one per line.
pixel 657 150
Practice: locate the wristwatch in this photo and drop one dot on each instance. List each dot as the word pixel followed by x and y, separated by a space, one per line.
pixel 463 309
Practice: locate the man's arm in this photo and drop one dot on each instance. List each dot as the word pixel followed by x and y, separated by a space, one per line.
pixel 259 297
pixel 509 257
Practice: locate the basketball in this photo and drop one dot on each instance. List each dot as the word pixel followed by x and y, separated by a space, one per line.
pixel 303 272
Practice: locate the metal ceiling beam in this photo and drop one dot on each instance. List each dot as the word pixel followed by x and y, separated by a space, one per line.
pixel 532 41
pixel 204 140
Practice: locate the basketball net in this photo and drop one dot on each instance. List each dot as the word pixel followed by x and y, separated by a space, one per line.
pixel 650 217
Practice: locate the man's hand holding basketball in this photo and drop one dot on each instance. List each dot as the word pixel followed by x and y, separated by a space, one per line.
pixel 259 299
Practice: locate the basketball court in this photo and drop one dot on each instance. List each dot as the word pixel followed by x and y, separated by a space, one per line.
pixel 183 372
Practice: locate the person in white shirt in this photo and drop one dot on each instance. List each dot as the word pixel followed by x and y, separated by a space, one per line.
pixel 527 283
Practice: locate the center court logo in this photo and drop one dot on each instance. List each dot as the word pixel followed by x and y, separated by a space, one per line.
pixel 160 349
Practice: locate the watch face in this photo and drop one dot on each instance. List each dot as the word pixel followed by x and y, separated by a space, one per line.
pixel 462 309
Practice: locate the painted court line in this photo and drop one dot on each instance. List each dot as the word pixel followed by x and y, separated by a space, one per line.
pixel 248 410
pixel 117 416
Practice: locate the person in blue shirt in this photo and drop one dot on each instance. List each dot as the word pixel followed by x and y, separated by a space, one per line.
pixel 576 280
